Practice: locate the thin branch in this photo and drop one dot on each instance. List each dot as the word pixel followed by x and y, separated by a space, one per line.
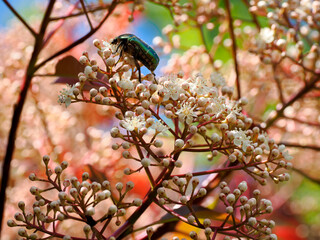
pixel 80 40
pixel 317 181
pixel 58 26
pixel 31 69
pixel 149 198
pixel 204 42
pixel 20 18
pixel 278 83
pixel 86 13
pixel 254 17
pixel 295 145
pixel 234 47
pixel 300 94
pixel 314 124
pixel 99 8
pixel 18 109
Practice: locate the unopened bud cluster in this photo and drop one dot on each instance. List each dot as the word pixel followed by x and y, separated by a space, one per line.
pixel 292 24
pixel 248 210
pixel 72 197
pixel 187 188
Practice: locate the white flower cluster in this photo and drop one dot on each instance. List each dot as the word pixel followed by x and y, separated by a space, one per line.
pixel 199 105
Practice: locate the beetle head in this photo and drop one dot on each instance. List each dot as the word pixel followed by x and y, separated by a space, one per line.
pixel 116 40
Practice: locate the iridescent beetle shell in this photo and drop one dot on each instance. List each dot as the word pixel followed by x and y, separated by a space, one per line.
pixel 138 49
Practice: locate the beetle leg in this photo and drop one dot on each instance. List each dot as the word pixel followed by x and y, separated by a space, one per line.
pixel 120 45
pixel 138 67
pixel 154 75
pixel 121 51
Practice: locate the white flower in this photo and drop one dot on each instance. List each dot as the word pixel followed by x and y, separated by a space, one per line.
pixel 218 105
pixel 186 113
pixel 267 35
pixel 66 95
pixel 125 83
pixel 108 46
pixel 172 86
pixel 160 128
pixel 217 79
pixel 241 139
pixel 199 86
pixel 284 153
pixel 133 123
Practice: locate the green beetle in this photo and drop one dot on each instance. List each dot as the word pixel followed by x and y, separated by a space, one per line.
pixel 138 49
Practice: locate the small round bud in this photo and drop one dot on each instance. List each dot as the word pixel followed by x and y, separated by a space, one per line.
pixel 224 127
pixel 223 184
pixel 149 231
pixel 46 159
pixel 237 192
pixel 129 185
pixel 232 158
pixel 256 192
pixel 22 232
pixel 273 237
pixel 215 138
pixel 122 212
pixel 62 196
pixel 161 192
pixel 229 210
pixel 195 182
pixel 231 198
pixel 137 202
pixel 206 222
pixel 106 185
pixel 126 154
pixel 119 186
pixel 178 163
pixel 243 186
pixel 86 229
pixel 179 143
pixel 90 211
pixel 110 62
pixel 269 209
pixel 11 223
pixel 243 200
pixel 145 162
pixel 93 92
pixel 21 205
pixel 207 231
pixel 32 177
pixel 60 217
pixel 191 219
pixel 18 216
pixel 34 190
pixel 85 176
pixel 252 221
pixel 183 199
pixel 165 162
pixel 84 191
pixel 202 192
pixel 275 153
pixel 112 209
pixel 226 190
pixel 193 235
pixel 158 143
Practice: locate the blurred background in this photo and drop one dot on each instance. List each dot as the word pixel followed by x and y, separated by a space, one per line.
pixel 189 39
